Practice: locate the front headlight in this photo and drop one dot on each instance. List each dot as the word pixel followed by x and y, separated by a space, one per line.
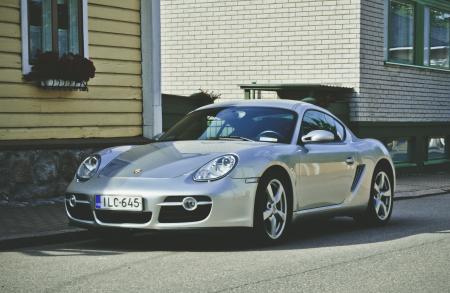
pixel 88 168
pixel 217 168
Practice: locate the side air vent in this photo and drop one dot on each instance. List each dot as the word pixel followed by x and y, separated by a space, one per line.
pixel 359 171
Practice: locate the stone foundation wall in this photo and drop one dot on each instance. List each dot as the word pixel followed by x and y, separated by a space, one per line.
pixel 44 173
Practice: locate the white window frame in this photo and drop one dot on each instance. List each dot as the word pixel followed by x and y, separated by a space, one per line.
pixel 26 66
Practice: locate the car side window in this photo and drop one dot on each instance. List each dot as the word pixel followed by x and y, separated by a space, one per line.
pixel 316 120
pixel 336 127
pixel 312 120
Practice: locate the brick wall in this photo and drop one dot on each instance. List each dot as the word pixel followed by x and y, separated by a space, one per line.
pixel 216 44
pixel 395 93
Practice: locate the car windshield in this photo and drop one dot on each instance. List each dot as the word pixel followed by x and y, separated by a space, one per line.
pixel 235 123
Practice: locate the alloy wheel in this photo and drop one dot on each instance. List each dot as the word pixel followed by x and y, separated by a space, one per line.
pixel 274 213
pixel 382 196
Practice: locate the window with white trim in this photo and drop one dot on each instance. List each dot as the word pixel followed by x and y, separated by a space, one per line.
pixel 53 25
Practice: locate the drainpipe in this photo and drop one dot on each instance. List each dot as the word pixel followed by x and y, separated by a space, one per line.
pixel 151 68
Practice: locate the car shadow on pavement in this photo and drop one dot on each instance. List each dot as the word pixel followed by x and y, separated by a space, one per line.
pixel 308 234
pixel 410 218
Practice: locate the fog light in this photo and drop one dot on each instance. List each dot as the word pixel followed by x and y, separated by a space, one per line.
pixel 73 201
pixel 189 203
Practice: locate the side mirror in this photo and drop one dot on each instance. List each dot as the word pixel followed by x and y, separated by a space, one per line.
pixel 318 136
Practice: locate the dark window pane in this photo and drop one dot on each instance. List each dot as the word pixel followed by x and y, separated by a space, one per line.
pixel 312 120
pixel 398 149
pixel 315 120
pixel 335 127
pixel 54 28
pixel 35 12
pixel 63 27
pixel 35 28
pixel 436 148
pixel 75 35
pixel 339 130
pixel 439 38
pixel 401 32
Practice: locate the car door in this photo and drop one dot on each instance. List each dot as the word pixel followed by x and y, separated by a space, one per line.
pixel 326 168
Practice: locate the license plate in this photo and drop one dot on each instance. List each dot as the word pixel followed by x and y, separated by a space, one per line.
pixel 122 203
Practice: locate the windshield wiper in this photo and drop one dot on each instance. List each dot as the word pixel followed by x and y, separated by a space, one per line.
pixel 232 137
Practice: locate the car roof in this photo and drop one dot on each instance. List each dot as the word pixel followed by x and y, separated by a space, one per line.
pixel 276 103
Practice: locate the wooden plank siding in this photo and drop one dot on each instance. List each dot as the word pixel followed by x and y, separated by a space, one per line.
pixel 113 105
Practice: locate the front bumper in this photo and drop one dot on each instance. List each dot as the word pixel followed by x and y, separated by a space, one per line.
pixel 225 203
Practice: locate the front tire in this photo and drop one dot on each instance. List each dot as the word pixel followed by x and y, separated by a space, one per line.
pixel 381 201
pixel 273 208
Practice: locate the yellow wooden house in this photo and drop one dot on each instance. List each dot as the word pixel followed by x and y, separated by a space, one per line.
pixel 123 100
pixel 111 34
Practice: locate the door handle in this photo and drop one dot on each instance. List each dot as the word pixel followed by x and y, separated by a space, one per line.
pixel 350 161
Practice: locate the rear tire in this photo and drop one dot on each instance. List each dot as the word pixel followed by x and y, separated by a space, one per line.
pixel 381 201
pixel 273 208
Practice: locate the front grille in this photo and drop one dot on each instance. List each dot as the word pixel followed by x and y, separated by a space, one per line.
pixel 170 213
pixel 358 173
pixel 122 217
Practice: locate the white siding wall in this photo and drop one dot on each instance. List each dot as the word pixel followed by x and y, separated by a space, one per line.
pixel 218 44
pixel 395 93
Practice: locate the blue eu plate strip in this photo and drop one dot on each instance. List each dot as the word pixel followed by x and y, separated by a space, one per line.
pixel 97 202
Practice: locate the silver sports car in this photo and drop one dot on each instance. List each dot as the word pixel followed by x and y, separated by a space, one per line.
pixel 257 163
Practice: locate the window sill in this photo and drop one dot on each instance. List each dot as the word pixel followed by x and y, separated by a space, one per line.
pixel 387 63
pixel 404 165
pixel 436 162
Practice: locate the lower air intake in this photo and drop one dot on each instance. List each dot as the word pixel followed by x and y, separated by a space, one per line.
pixel 172 210
pixel 121 217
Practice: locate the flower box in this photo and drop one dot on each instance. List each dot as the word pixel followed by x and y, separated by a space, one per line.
pixel 70 72
pixel 60 84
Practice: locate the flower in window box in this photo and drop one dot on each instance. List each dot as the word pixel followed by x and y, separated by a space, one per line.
pixel 45 67
pixel 69 71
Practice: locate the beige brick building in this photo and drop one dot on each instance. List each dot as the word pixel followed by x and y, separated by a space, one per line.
pixel 393 54
pixel 220 44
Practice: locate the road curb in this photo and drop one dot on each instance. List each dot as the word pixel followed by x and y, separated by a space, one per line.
pixel 50 237
pixel 421 195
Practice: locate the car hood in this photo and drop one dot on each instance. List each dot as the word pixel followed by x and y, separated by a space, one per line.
pixel 171 159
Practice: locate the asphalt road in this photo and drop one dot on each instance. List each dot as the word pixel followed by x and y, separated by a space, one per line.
pixel 411 254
